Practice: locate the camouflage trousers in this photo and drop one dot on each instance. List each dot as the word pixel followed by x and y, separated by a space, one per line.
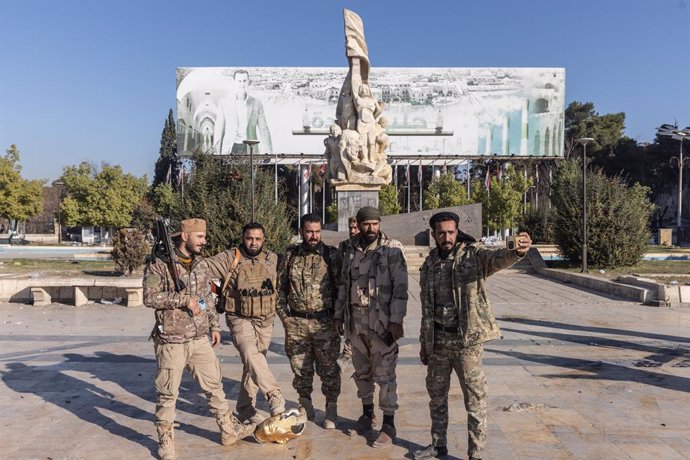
pixel 375 362
pixel 313 344
pixel 198 357
pixel 449 355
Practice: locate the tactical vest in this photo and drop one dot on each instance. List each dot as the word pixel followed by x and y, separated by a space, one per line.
pixel 252 291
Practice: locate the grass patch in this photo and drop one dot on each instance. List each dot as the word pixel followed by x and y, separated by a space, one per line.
pixel 676 267
pixel 66 268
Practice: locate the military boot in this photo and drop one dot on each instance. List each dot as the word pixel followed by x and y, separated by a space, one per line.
pixel 249 415
pixel 331 415
pixel 232 430
pixel 308 407
pixel 276 402
pixel 166 441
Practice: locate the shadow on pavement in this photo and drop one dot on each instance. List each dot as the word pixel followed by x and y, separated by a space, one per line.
pixel 85 400
pixel 134 374
pixel 601 370
pixel 599 330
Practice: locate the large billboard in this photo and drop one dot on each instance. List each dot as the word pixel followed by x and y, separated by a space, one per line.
pixel 430 111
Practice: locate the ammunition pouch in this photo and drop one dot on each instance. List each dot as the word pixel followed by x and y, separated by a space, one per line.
pixel 255 302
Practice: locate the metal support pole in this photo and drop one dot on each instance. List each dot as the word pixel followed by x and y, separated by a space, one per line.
pixel 421 184
pixel 680 188
pixel 275 177
pixel 250 143
pixel 323 199
pixel 469 168
pixel 584 141
pixel 584 208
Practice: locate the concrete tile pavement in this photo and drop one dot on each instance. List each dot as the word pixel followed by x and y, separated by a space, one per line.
pixel 576 375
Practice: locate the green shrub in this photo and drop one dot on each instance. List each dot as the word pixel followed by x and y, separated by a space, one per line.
pixel 129 249
pixel 445 191
pixel 539 224
pixel 617 217
pixel 388 200
pixel 332 212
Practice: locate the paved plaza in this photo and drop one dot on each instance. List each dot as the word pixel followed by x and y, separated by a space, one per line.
pixel 576 375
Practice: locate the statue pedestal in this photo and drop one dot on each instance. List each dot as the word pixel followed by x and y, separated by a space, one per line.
pixel 351 197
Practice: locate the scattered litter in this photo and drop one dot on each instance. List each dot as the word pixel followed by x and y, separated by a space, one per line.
pixel 674 282
pixel 684 363
pixel 35 275
pixel 602 271
pixel 19 322
pixel 115 301
pixel 522 407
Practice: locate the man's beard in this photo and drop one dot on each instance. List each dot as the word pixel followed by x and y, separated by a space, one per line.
pixel 253 252
pixel 191 249
pixel 312 244
pixel 369 237
pixel 444 250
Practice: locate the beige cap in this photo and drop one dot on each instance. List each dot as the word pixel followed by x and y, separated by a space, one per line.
pixel 191 225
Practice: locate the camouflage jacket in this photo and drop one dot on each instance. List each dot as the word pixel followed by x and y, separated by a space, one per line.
pixel 264 265
pixel 174 324
pixel 387 285
pixel 343 246
pixel 306 283
pixel 472 264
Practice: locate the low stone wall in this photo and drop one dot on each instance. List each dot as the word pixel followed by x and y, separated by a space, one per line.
pixel 75 291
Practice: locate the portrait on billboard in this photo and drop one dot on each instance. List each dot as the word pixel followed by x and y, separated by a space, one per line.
pixel 428 111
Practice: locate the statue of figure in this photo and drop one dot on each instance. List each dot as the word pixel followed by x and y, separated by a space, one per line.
pixel 345 112
pixel 350 150
pixel 336 168
pixel 368 110
pixel 356 147
pixel 382 141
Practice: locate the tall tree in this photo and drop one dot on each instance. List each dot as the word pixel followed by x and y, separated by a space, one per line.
pixel 388 200
pixel 445 191
pixel 218 191
pixel 105 198
pixel 582 120
pixel 617 217
pixel 502 204
pixel 20 198
pixel 167 164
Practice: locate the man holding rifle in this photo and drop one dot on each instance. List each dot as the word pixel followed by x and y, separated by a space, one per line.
pixel 177 286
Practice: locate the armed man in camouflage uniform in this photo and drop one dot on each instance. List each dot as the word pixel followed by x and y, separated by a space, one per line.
pixel 456 320
pixel 343 246
pixel 249 275
pixel 181 337
pixel 371 306
pixel 306 303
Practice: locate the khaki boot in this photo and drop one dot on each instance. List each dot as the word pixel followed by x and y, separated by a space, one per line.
pixel 166 441
pixel 331 415
pixel 232 430
pixel 249 415
pixel 276 402
pixel 308 407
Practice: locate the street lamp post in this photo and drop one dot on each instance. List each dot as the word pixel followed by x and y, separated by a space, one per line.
pixel 681 135
pixel 59 184
pixel 250 143
pixel 584 141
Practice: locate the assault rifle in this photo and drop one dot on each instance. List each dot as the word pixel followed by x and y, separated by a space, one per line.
pixel 165 251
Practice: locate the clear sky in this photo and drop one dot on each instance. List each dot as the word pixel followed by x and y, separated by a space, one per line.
pixel 93 80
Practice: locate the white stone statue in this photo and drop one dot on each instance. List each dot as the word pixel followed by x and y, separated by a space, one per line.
pixel 356 147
